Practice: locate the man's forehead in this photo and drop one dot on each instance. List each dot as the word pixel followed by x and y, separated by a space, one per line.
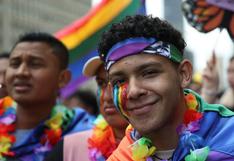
pixel 136 63
pixel 22 46
pixel 35 49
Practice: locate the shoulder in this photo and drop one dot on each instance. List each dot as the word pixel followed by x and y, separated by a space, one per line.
pixel 217 131
pixel 76 139
pixel 76 146
pixel 72 146
pixel 123 151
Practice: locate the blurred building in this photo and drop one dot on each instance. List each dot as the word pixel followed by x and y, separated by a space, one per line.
pixel 173 13
pixel 19 16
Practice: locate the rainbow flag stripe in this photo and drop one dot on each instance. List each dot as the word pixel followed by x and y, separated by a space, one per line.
pixel 82 36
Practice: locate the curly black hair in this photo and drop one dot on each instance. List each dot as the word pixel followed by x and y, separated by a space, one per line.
pixel 140 26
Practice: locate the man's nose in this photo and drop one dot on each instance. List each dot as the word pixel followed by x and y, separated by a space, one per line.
pixel 108 93
pixel 23 70
pixel 135 89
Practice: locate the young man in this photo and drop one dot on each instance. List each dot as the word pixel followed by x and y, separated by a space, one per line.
pixel 96 144
pixel 31 127
pixel 4 59
pixel 147 72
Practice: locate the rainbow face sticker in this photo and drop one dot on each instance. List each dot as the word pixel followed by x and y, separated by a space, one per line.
pixel 120 98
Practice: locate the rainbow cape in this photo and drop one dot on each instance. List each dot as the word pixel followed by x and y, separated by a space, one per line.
pixel 82 36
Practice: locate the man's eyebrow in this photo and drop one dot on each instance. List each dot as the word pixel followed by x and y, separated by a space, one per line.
pixel 115 73
pixel 137 69
pixel 150 64
pixel 13 58
pixel 30 57
pixel 36 57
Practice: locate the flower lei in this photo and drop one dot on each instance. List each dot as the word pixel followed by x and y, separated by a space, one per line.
pixel 142 149
pixel 52 131
pixel 7 126
pixel 102 142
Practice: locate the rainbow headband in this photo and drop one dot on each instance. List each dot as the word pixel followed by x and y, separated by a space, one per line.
pixel 138 45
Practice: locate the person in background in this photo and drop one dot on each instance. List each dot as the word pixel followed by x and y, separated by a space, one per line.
pixel 96 144
pixel 85 99
pixel 32 123
pixel 196 83
pixel 4 60
pixel 211 84
pixel 147 72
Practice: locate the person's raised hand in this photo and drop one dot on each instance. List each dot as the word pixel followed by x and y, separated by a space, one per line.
pixel 210 80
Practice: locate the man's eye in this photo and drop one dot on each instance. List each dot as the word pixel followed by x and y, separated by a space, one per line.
pixel 35 64
pixel 149 73
pixel 14 64
pixel 117 82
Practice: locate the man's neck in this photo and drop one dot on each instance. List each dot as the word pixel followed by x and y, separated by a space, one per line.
pixel 29 116
pixel 167 138
pixel 118 133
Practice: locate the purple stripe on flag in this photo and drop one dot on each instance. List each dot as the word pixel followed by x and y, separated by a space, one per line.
pixel 72 86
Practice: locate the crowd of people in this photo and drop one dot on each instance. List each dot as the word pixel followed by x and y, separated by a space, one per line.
pixel 147 112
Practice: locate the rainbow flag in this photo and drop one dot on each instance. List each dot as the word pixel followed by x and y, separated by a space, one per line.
pixel 82 36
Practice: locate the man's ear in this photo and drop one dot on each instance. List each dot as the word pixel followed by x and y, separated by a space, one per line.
pixel 64 78
pixel 185 72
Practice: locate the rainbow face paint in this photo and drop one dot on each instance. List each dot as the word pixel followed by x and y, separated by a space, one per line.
pixel 120 98
pixel 100 96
